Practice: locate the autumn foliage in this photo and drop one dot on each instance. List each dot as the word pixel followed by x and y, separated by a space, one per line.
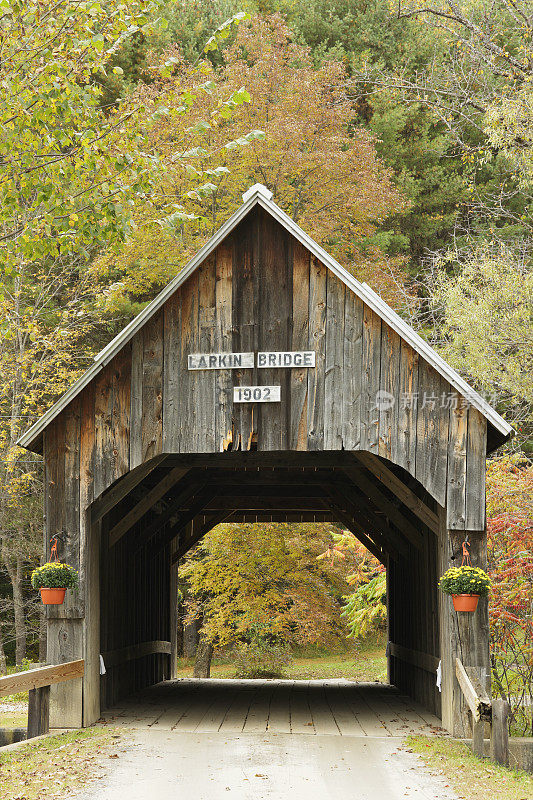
pixel 322 169
pixel 510 542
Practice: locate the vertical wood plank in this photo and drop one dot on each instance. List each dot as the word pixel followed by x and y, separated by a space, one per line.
pixel 136 399
pixel 122 410
pixel 476 455
pixel 65 643
pixel 405 450
pixel 62 453
pixel 370 377
pixel 334 366
pixel 456 479
pixel 499 739
pixel 317 342
pixel 152 390
pixel 91 627
pixel 389 404
pixel 301 260
pixel 432 432
pixel 223 340
pixel 189 344
pixel 38 712
pixel 275 310
pixel 206 379
pixel 171 374
pixel 353 356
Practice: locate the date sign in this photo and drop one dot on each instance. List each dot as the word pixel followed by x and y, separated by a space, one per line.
pixel 256 394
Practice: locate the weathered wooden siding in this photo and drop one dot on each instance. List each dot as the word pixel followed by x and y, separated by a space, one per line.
pixel 261 290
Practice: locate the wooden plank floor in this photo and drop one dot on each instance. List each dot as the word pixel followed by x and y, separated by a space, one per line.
pixel 331 707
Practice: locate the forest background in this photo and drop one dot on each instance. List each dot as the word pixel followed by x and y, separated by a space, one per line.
pixel 400 136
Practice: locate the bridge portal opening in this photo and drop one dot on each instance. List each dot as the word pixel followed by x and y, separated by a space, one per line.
pixel 143 537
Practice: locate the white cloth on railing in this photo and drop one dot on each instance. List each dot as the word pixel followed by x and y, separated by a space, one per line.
pixel 102 665
pixel 439 677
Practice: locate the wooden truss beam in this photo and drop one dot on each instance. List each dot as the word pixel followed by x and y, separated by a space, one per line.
pixel 382 503
pixel 184 496
pixel 346 520
pixel 369 524
pixel 145 504
pixel 195 537
pixel 398 488
pixel 121 488
pixel 201 501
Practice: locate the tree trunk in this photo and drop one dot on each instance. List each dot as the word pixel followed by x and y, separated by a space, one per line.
pixel 204 654
pixel 20 621
pixel 3 662
pixel 190 638
pixel 15 570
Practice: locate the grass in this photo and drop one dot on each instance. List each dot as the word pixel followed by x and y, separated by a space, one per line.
pixel 13 717
pixel 364 661
pixel 56 766
pixel 472 778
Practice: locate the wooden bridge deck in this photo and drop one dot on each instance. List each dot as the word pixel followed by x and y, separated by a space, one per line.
pixel 335 707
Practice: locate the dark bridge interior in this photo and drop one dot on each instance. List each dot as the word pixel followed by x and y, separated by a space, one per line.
pixel 147 525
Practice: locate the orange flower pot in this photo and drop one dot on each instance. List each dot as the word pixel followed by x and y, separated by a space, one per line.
pixel 52 597
pixel 465 602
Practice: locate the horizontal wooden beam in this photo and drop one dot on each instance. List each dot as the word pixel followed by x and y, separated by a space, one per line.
pixel 272 476
pixel 145 504
pixel 416 658
pixel 133 651
pixel 249 517
pixel 398 488
pixel 41 676
pixel 268 490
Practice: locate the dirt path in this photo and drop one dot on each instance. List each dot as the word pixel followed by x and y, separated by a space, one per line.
pixel 157 764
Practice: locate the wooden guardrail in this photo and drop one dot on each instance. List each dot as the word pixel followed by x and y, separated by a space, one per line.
pixel 37 682
pixel 130 653
pixel 417 658
pixel 483 709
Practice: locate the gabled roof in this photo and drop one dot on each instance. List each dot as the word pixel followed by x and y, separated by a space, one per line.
pixel 259 195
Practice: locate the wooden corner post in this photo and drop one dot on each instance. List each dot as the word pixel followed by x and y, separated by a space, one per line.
pixel 463 636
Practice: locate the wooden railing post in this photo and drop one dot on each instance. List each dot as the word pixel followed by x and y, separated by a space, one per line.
pixel 37 683
pixel 38 711
pixel 478 738
pixel 499 738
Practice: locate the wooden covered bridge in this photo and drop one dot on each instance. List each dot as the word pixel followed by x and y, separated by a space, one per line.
pixel 264 383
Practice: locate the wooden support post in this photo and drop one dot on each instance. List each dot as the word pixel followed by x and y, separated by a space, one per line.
pixel 463 636
pixel 174 620
pixel 38 711
pixel 499 738
pixel 478 736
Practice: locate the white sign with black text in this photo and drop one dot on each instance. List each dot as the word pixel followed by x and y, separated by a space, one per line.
pixel 298 358
pixel 256 394
pixel 221 361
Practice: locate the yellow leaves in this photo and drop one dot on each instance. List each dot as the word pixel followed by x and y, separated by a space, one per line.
pixel 326 176
pixel 244 575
